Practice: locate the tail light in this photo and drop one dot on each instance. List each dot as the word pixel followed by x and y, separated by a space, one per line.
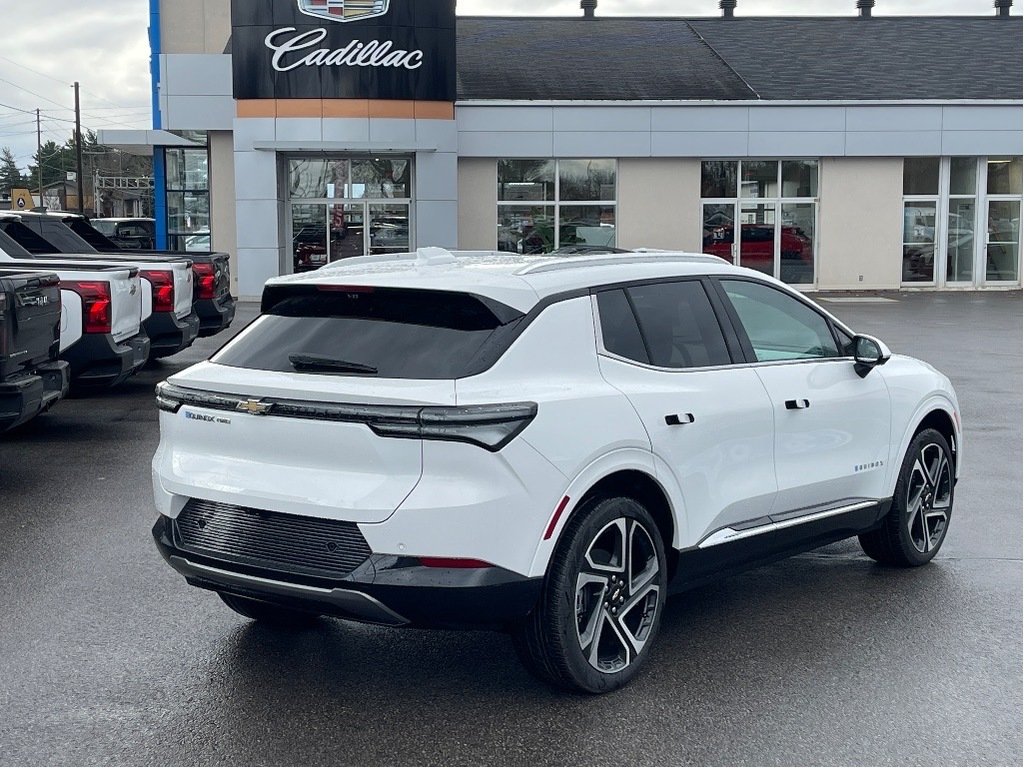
pixel 163 288
pixel 487 426
pixel 96 305
pixel 206 281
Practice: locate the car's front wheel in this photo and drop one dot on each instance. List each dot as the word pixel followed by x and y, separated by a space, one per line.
pixel 268 613
pixel 916 525
pixel 602 601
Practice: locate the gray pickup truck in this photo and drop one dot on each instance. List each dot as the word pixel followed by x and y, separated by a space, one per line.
pixel 32 379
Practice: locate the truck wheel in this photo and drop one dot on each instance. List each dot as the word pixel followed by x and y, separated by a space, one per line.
pixel 915 527
pixel 602 600
pixel 268 613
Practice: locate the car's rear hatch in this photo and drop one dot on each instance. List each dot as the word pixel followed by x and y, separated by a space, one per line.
pixel 29 319
pixel 315 409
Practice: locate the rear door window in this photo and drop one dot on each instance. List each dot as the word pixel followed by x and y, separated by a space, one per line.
pixel 675 325
pixel 384 332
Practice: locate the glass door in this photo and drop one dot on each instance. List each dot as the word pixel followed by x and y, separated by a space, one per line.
pixel 1002 252
pixel 309 237
pixel 343 207
pixel 348 231
pixel 757 237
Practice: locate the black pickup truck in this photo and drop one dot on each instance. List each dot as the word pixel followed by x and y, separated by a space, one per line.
pixel 32 379
pixel 212 299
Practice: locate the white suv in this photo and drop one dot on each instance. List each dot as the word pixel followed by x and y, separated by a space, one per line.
pixel 544 445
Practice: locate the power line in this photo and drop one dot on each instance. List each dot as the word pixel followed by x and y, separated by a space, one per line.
pixel 34 71
pixel 33 93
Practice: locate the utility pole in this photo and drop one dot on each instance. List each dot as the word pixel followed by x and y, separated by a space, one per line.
pixel 39 157
pixel 78 152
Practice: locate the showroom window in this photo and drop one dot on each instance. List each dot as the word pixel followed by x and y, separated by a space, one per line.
pixel 544 205
pixel 961 221
pixel 188 198
pixel 776 205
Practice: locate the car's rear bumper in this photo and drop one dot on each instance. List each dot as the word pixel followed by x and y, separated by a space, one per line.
pixel 384 589
pixel 169 334
pixel 25 397
pixel 99 361
pixel 215 314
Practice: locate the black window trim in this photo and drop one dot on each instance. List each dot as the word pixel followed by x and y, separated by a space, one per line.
pixel 744 340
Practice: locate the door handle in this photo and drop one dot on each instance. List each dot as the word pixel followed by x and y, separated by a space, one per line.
pixel 798 405
pixel 677 420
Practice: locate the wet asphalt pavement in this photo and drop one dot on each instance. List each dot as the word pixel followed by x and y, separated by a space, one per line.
pixel 107 657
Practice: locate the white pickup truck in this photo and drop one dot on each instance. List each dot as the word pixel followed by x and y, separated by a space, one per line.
pixel 102 311
pixel 169 317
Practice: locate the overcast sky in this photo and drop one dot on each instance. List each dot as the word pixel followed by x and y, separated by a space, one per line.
pixel 103 44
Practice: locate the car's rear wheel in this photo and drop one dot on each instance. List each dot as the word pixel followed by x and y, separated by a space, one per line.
pixel 915 527
pixel 602 600
pixel 268 613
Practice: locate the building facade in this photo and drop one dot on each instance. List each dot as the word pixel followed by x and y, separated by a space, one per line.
pixel 835 153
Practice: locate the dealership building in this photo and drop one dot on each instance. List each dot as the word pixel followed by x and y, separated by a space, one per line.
pixel 836 153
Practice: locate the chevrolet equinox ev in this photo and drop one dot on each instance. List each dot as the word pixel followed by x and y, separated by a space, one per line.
pixel 547 446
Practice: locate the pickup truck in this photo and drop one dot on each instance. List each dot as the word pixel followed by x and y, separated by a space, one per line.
pixel 170 320
pixel 32 379
pixel 213 302
pixel 101 335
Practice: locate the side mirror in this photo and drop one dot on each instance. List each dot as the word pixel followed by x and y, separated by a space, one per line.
pixel 868 353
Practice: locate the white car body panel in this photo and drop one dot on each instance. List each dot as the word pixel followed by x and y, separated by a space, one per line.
pixel 838 447
pixel 314 468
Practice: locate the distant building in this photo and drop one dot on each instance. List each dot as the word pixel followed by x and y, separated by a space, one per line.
pixel 833 152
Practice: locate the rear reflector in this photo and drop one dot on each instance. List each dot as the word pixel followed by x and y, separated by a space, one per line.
pixel 96 305
pixel 555 518
pixel 163 288
pixel 453 562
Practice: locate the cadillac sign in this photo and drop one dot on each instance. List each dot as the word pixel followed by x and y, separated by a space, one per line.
pixel 381 49
pixel 344 10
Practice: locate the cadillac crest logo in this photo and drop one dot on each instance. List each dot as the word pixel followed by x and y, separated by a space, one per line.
pixel 344 10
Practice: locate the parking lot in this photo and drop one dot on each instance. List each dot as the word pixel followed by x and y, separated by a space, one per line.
pixel 109 658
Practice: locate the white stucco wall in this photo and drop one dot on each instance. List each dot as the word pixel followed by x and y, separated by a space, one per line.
pixel 860 238
pixel 194 26
pixel 222 199
pixel 478 204
pixel 659 204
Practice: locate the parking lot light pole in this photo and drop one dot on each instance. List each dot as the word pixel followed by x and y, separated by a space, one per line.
pixel 78 151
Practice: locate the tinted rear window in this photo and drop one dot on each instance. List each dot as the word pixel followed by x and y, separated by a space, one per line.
pixel 384 333
pixel 92 236
pixel 25 241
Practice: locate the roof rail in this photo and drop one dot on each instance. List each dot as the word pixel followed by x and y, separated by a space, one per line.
pixel 640 256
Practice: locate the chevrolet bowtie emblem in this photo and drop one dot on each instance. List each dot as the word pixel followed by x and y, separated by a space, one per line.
pixel 254 407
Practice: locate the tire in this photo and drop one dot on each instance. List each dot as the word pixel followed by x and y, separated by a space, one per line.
pixel 596 620
pixel 915 527
pixel 268 613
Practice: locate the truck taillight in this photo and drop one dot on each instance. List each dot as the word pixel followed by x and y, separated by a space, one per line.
pixel 96 304
pixel 163 288
pixel 206 281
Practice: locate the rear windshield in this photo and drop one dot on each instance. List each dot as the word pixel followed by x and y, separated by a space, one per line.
pixel 20 241
pixel 92 236
pixel 105 228
pixel 385 333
